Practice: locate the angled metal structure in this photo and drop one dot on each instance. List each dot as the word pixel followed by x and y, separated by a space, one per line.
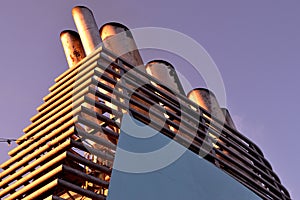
pixel 68 150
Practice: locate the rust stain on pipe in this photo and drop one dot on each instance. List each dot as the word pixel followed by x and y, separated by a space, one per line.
pixel 87 28
pixel 73 48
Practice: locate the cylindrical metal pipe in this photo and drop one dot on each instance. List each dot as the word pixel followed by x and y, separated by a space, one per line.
pixel 89 34
pixel 87 28
pixel 166 74
pixel 118 38
pixel 207 100
pixel 228 118
pixel 72 47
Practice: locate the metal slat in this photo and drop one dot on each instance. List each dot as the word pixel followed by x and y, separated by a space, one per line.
pixel 34 146
pixel 42 190
pixel 35 163
pixel 237 155
pixel 34 173
pixel 38 183
pixel 80 190
pixel 149 93
pixel 64 113
pixel 80 76
pixel 256 154
pixel 89 163
pixel 84 62
pixel 58 126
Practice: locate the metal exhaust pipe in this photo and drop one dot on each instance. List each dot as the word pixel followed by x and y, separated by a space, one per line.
pixel 87 28
pixel 207 100
pixel 89 34
pixel 166 74
pixel 73 48
pixel 228 118
pixel 118 38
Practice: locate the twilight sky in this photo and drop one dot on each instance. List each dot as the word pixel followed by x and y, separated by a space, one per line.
pixel 256 46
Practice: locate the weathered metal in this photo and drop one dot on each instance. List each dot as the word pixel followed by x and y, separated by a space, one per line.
pixel 207 100
pixel 56 160
pixel 72 46
pixel 166 74
pixel 118 39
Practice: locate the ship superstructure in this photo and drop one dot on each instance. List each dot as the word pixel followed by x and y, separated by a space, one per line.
pixel 68 150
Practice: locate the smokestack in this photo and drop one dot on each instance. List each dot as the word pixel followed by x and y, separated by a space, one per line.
pixel 118 39
pixel 207 100
pixel 228 118
pixel 89 34
pixel 72 47
pixel 166 74
pixel 87 28
pixel 122 44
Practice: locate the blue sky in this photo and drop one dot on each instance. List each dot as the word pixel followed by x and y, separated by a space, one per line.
pixel 256 46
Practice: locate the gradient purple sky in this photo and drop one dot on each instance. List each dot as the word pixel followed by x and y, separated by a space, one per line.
pixel 256 46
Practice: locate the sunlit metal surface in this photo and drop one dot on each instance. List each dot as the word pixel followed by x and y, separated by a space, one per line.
pixel 56 137
pixel 72 46
pixel 87 28
pixel 69 148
